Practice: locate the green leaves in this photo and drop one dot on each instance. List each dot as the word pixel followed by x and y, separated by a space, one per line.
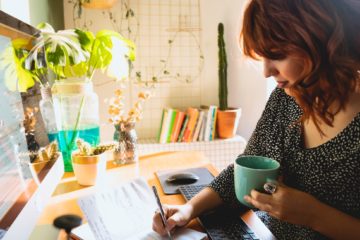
pixel 75 53
pixel 16 77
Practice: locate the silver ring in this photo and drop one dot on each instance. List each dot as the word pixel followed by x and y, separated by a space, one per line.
pixel 270 187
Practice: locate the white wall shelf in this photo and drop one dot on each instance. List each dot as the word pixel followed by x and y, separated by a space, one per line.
pixel 220 152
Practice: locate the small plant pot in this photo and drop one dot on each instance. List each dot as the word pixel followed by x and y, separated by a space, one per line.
pixel 227 122
pixel 89 170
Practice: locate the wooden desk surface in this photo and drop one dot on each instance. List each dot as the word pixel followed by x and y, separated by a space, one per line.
pixel 68 190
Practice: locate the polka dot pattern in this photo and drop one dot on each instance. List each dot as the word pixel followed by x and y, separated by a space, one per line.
pixel 329 172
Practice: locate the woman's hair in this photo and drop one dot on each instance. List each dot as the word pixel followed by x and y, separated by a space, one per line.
pixel 324 33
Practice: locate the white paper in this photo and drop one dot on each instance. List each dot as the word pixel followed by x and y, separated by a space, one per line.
pixel 124 212
pixel 84 232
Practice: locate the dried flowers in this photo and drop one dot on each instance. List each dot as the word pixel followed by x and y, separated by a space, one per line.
pixel 30 120
pixel 117 112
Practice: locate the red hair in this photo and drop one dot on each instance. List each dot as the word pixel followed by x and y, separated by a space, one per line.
pixel 324 33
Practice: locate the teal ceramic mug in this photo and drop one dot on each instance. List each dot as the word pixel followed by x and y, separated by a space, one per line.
pixel 252 172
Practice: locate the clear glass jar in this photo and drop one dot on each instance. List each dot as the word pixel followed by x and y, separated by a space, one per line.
pixel 126 150
pixel 47 112
pixel 76 108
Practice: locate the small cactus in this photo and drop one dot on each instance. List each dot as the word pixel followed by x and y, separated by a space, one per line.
pixel 84 148
pixel 50 152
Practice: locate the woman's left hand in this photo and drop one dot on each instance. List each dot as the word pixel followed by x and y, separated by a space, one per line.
pixel 286 204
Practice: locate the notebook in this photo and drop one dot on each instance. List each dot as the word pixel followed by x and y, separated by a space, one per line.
pixel 124 212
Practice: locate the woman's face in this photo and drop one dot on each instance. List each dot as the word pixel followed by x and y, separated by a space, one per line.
pixel 286 71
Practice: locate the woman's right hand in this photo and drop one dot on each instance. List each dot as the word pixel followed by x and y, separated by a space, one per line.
pixel 176 215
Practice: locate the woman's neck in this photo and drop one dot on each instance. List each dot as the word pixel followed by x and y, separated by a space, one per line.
pixel 313 137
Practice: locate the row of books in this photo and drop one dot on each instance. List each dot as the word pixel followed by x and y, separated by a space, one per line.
pixel 194 124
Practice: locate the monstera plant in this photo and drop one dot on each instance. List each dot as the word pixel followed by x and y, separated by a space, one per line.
pixel 76 53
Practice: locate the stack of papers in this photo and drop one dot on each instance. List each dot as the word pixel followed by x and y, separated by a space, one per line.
pixel 124 212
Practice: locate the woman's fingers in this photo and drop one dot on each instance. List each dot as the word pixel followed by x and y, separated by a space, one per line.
pixel 260 200
pixel 157 225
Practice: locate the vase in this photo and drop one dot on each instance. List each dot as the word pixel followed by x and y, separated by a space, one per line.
pixel 126 150
pixel 76 108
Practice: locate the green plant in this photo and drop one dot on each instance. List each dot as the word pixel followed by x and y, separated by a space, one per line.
pixel 12 62
pixel 86 150
pixel 223 89
pixel 77 53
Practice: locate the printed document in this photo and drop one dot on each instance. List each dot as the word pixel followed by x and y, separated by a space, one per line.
pixel 124 212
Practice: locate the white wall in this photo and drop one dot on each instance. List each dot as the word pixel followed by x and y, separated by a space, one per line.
pixel 247 86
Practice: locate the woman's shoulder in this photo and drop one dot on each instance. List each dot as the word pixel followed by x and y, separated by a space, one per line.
pixel 279 98
pixel 283 106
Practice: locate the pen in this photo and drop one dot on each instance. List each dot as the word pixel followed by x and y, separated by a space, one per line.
pixel 162 214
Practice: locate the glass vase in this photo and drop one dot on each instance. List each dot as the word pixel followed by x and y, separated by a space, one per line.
pixel 76 108
pixel 126 150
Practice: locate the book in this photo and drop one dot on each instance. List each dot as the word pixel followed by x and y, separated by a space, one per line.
pixel 202 130
pixel 183 127
pixel 193 116
pixel 171 124
pixel 213 124
pixel 179 119
pixel 198 126
pixel 161 124
pixel 165 125
pixel 208 124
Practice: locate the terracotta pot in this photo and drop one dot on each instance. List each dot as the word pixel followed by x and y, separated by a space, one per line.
pixel 227 122
pixel 89 170
pixel 99 4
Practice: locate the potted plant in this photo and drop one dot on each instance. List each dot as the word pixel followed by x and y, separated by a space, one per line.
pixel 89 162
pixel 227 118
pixel 73 56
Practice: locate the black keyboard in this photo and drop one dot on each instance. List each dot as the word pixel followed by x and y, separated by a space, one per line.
pixel 221 224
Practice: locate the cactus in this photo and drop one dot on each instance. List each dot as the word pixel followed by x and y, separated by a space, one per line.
pixel 86 150
pixel 223 90
pixel 48 153
pixel 84 147
pixel 103 148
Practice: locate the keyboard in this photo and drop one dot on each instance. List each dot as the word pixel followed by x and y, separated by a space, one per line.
pixel 221 224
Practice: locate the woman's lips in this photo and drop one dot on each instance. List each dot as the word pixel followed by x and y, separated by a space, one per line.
pixel 282 84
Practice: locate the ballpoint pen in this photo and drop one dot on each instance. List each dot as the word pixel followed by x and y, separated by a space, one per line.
pixel 162 214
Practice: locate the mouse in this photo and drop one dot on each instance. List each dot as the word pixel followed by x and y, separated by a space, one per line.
pixel 182 178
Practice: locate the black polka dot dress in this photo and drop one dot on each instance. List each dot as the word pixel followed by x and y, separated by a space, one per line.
pixel 329 172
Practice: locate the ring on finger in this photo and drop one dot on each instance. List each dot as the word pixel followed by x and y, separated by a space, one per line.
pixel 270 187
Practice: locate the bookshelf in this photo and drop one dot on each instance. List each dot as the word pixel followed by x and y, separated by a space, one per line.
pixel 220 152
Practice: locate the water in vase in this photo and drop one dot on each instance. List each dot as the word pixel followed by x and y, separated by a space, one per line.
pixel 67 142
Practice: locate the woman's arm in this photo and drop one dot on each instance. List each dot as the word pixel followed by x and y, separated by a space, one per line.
pixel 204 201
pixel 334 223
pixel 300 208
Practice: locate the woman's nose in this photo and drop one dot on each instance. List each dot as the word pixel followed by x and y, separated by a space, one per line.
pixel 269 69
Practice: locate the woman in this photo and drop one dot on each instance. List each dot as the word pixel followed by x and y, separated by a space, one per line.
pixel 311 123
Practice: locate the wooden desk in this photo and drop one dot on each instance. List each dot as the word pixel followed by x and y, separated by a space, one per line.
pixel 68 191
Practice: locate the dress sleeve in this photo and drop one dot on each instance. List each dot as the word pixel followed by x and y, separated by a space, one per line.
pixel 266 140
